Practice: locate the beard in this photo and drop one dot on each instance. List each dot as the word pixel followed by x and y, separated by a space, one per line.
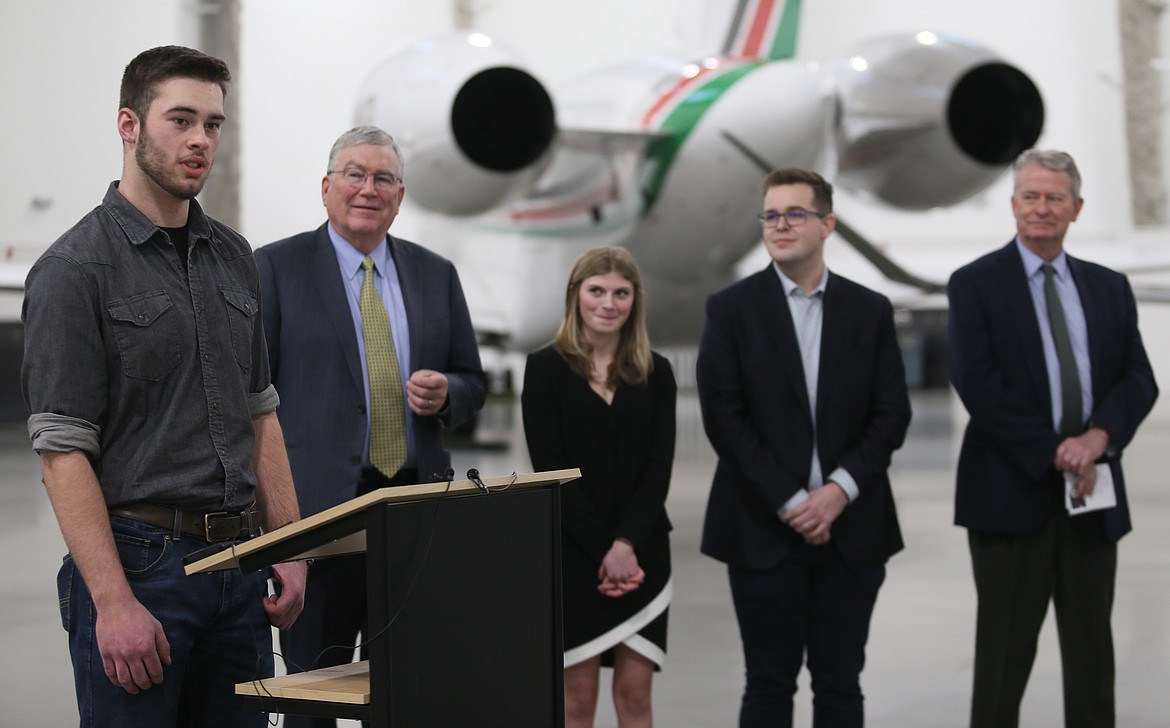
pixel 153 163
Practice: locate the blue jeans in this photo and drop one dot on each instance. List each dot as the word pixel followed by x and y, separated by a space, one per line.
pixel 215 623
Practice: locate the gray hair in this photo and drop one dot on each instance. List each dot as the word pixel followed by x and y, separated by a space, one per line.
pixel 360 135
pixel 1052 159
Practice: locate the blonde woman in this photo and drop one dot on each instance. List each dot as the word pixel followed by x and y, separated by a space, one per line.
pixel 598 399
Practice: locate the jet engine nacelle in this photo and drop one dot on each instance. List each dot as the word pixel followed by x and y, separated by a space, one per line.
pixel 929 120
pixel 475 128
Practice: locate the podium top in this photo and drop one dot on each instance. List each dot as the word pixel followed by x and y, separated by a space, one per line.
pixel 336 531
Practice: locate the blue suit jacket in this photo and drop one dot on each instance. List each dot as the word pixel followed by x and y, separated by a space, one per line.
pixel 1006 481
pixel 757 415
pixel 316 366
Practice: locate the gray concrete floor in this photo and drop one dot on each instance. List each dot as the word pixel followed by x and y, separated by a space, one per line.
pixel 920 650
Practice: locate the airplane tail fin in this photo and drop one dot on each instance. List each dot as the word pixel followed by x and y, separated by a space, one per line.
pixel 764 29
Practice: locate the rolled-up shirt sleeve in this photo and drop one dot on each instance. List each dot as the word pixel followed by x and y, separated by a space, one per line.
pixel 64 368
pixel 60 433
pixel 261 403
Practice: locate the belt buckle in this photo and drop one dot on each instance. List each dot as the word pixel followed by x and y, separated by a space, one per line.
pixel 207 525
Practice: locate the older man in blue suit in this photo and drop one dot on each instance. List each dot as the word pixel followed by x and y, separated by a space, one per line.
pixel 372 351
pixel 1046 355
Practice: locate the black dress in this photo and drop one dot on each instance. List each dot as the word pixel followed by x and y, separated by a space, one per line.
pixel 625 451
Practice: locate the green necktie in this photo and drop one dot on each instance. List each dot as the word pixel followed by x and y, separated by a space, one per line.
pixel 387 410
pixel 1070 381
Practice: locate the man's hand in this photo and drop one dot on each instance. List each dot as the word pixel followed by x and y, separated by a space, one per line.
pixel 131 642
pixel 1078 455
pixel 813 518
pixel 285 606
pixel 1075 453
pixel 1086 482
pixel 426 391
pixel 132 645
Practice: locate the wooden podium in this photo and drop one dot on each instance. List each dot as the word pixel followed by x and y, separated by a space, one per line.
pixel 464 605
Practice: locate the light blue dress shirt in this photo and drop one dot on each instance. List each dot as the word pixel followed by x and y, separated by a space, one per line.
pixel 808 315
pixel 1078 334
pixel 349 259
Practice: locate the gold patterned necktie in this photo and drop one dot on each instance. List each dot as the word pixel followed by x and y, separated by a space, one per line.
pixel 1070 380
pixel 387 410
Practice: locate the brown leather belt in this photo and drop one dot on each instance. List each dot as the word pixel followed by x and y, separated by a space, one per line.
pixel 209 526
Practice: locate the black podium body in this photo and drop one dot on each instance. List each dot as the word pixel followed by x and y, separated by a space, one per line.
pixel 464 605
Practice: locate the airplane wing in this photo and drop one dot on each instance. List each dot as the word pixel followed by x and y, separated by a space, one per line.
pixel 609 142
pixel 1152 294
pixel 12 276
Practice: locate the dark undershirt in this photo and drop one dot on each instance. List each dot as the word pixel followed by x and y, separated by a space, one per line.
pixel 178 238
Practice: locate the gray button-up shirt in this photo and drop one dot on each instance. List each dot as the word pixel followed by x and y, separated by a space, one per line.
pixel 153 369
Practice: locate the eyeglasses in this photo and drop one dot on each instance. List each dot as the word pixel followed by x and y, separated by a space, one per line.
pixel 1054 199
pixel 796 217
pixel 356 179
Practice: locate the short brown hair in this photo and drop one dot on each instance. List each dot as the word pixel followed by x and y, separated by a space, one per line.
pixel 822 190
pixel 150 68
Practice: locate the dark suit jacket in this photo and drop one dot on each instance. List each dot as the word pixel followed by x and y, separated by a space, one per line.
pixel 1006 480
pixel 316 366
pixel 757 416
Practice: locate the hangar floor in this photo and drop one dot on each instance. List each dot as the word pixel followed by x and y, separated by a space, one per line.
pixel 920 650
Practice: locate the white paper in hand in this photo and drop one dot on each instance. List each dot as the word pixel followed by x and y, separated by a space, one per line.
pixel 1104 495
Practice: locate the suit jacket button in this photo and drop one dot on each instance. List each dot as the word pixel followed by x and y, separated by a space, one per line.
pixel 355 459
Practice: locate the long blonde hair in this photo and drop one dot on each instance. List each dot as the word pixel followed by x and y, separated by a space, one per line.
pixel 632 362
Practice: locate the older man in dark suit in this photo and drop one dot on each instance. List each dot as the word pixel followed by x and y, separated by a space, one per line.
pixel 804 400
pixel 1046 355
pixel 372 351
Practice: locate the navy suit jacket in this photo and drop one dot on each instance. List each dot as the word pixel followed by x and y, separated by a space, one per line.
pixel 316 365
pixel 757 415
pixel 1006 480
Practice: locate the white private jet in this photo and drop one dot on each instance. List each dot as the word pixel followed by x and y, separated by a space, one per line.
pixel 666 158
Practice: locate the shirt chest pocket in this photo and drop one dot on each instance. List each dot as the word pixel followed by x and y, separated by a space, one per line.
pixel 147 335
pixel 242 308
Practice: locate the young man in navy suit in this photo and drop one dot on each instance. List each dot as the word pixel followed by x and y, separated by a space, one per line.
pixel 804 399
pixel 1046 355
pixel 325 363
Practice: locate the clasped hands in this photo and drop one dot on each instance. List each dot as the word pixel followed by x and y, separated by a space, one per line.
pixel 619 573
pixel 814 517
pixel 1078 456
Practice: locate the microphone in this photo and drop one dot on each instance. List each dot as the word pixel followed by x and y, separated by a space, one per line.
pixel 473 476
